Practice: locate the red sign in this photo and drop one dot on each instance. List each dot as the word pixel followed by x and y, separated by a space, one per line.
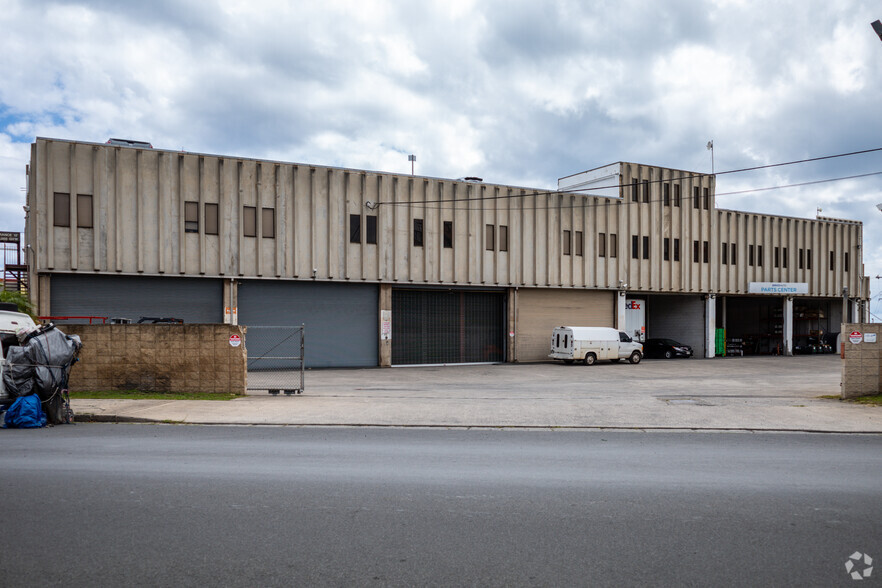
pixel 856 337
pixel 235 340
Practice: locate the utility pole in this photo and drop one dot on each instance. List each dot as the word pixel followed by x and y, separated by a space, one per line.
pixel 411 159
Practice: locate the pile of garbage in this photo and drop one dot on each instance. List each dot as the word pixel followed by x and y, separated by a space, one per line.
pixel 33 387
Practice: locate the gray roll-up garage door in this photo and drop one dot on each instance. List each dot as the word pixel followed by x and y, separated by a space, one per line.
pixel 539 310
pixel 192 299
pixel 342 322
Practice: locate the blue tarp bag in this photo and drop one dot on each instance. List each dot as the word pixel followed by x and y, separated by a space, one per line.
pixel 25 413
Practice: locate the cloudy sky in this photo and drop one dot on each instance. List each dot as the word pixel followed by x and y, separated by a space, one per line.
pixel 515 92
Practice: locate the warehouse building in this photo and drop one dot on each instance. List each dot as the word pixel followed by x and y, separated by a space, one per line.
pixel 389 269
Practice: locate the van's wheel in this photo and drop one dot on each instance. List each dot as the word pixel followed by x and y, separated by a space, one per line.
pixel 590 359
pixel 568 361
pixel 635 357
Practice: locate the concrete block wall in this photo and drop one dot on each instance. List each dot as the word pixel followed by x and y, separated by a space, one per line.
pixel 159 358
pixel 861 373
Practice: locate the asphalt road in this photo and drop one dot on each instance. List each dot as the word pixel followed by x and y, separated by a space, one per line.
pixel 91 505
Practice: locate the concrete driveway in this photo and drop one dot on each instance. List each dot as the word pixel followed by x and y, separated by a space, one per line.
pixel 750 393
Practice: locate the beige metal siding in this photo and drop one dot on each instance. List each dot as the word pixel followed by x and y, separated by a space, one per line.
pixel 539 310
pixel 138 199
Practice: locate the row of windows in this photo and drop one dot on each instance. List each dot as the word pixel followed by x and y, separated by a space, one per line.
pixel 61 210
pixel 572 240
pixel 700 196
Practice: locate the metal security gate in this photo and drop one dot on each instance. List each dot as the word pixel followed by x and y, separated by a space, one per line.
pixel 275 359
pixel 447 326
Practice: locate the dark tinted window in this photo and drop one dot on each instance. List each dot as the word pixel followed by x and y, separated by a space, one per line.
pixel 370 229
pixel 61 210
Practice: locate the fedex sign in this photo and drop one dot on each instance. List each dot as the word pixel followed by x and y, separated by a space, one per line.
pixel 633 305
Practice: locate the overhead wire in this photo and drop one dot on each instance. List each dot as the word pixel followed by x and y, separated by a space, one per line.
pixel 604 200
pixel 655 181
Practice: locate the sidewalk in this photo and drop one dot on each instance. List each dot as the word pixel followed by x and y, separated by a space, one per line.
pixel 752 394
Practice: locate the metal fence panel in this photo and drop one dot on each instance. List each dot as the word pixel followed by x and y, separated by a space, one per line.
pixel 275 359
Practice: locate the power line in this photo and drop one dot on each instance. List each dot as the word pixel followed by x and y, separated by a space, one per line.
pixel 440 204
pixel 611 186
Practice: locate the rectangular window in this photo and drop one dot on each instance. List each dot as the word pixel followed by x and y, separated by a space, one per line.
pixel 666 194
pixel 635 247
pixel 577 242
pixel 645 247
pixel 370 229
pixel 845 261
pixel 634 191
pixel 601 244
pixel 808 259
pixel 696 203
pixel 832 261
pixel 448 234
pixel 706 198
pixel 503 237
pixel 84 211
pixel 777 257
pixel 676 249
pixel 759 255
pixel 417 232
pixel 801 259
pixel 249 221
pixel 666 249
pixel 733 253
pixel 750 255
pixel 268 223
pixel 355 228
pixel 211 219
pixel 695 252
pixel 61 209
pixel 191 217
pixel 706 252
pixel 784 257
pixel 613 245
pixel 567 242
pixel 677 195
pixel 645 190
pixel 490 236
pixel 724 253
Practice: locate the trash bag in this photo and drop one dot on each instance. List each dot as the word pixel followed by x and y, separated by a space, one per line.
pixel 18 373
pixel 25 413
pixel 53 354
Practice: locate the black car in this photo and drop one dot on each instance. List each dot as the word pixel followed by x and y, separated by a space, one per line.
pixel 666 348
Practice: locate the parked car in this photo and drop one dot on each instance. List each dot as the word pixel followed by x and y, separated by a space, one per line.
pixel 666 348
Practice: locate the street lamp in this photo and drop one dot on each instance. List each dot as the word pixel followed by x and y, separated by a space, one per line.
pixel 411 159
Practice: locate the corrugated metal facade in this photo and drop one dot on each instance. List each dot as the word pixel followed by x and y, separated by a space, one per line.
pixel 539 311
pixel 499 235
pixel 341 319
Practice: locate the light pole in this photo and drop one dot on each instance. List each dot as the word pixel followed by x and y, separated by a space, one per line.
pixel 411 159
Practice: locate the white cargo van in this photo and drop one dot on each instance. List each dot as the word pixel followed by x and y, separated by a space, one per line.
pixel 590 344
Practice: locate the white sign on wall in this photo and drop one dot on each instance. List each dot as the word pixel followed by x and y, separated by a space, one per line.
pixel 385 325
pixel 778 288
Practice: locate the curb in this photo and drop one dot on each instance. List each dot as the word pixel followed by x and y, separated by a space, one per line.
pixel 107 418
